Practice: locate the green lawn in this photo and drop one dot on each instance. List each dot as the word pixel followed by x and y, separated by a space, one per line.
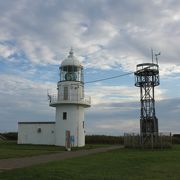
pixel 10 149
pixel 118 164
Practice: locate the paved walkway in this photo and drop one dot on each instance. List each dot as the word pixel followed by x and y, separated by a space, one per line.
pixel 14 163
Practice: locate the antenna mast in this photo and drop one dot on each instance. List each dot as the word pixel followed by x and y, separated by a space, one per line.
pixel 158 54
pixel 152 54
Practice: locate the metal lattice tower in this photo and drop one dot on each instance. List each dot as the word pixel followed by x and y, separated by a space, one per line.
pixel 147 77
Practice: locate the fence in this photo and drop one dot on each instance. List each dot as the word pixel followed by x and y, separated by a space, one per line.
pixel 149 140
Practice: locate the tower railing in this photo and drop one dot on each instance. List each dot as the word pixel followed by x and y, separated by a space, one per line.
pixel 72 98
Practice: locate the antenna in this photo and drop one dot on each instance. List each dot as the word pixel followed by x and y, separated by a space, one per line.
pixel 158 54
pixel 152 54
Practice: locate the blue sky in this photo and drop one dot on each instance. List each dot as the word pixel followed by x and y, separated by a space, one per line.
pixel 109 37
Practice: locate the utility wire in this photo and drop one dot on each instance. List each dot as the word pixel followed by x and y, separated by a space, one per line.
pixel 112 77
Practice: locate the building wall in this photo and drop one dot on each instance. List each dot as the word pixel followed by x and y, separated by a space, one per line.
pixel 75 90
pixel 36 133
pixel 73 123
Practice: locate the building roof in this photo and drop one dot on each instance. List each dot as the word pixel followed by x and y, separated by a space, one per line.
pixel 71 60
pixel 50 122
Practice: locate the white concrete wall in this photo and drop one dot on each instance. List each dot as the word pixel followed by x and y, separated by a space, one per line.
pixel 75 114
pixel 28 134
pixel 74 123
pixel 75 90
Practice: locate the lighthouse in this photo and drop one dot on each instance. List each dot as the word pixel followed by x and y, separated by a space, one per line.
pixel 69 128
pixel 70 103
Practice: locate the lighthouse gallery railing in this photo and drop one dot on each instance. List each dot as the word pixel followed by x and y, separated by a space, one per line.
pixel 71 98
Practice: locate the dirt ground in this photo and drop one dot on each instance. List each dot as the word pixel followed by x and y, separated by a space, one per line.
pixel 14 163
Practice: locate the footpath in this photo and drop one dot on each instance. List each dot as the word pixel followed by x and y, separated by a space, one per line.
pixel 14 163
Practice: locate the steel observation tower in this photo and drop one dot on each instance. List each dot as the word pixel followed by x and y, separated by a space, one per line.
pixel 147 78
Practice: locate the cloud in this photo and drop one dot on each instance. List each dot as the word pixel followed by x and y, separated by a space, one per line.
pixel 104 33
pixel 118 93
pixel 169 69
pixel 118 118
pixel 7 51
pixel 23 100
pixel 108 37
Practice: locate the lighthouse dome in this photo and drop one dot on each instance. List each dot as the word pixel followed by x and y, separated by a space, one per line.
pixel 71 60
pixel 71 69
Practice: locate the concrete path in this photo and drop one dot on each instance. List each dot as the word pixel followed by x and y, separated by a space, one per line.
pixel 14 163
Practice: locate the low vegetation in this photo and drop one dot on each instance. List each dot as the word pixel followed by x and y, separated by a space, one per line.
pixel 10 149
pixel 9 135
pixel 176 139
pixel 102 139
pixel 125 164
pixel 91 139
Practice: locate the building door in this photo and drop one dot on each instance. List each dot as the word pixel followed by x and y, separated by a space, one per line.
pixel 68 140
pixel 65 93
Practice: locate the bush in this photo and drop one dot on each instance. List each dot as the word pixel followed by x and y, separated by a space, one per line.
pixel 102 139
pixel 10 135
pixel 176 139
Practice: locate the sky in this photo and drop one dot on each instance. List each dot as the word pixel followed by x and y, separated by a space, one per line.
pixel 109 38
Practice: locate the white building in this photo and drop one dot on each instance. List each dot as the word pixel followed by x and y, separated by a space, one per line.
pixel 68 129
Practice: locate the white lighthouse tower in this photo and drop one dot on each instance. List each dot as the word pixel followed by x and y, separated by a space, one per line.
pixel 70 103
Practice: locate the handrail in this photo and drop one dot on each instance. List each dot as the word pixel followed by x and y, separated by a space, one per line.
pixel 71 97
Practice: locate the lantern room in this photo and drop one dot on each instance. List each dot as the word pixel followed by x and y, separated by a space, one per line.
pixel 71 69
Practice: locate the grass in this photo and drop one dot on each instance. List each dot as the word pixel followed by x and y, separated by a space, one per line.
pixel 127 164
pixel 10 149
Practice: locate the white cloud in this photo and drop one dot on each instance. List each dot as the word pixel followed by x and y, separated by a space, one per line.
pixel 104 34
pixel 168 69
pixel 23 100
pixel 121 126
pixel 102 31
pixel 6 51
pixel 116 120
pixel 37 52
pixel 114 94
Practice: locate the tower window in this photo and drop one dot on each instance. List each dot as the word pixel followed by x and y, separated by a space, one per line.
pixel 64 115
pixel 65 93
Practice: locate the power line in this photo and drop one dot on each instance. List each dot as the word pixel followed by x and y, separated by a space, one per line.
pixel 112 77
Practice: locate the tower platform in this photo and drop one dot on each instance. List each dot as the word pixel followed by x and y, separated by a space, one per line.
pixel 59 100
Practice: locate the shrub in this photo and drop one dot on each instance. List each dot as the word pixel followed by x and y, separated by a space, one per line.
pixel 102 139
pixel 10 135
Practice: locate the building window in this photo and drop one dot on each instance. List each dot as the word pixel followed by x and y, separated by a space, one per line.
pixel 39 130
pixel 65 93
pixel 64 115
pixel 83 124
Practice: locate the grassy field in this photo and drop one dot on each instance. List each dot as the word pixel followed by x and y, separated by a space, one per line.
pixel 10 149
pixel 119 164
